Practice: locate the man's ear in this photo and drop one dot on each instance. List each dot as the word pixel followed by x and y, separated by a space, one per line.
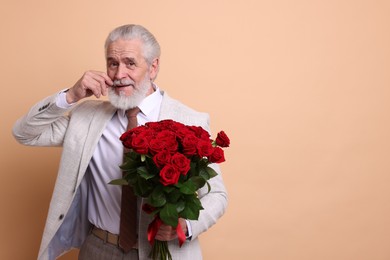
pixel 154 67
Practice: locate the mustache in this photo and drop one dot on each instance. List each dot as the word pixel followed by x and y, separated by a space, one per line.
pixel 122 82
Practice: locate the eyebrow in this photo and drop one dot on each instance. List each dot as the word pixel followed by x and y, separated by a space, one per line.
pixel 130 59
pixel 110 59
pixel 127 59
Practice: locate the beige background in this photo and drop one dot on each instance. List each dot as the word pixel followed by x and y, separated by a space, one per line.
pixel 301 87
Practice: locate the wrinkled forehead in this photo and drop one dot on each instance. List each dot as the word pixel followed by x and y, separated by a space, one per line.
pixel 125 48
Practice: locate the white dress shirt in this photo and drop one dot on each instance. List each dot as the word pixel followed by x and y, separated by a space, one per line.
pixel 104 200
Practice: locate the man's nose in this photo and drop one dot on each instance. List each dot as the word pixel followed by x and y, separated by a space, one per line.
pixel 120 72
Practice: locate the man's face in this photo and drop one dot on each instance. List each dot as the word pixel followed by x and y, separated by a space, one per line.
pixel 127 67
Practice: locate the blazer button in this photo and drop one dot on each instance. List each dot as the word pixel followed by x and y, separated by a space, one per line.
pixel 61 217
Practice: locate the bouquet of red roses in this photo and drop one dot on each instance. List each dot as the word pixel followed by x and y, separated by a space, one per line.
pixel 166 164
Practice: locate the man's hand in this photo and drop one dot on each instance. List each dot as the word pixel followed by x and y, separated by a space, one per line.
pixel 167 233
pixel 91 83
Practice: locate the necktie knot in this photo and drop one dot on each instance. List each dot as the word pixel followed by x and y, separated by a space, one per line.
pixel 132 112
pixel 131 115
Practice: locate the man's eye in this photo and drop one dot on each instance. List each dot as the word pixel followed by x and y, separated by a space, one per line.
pixel 113 64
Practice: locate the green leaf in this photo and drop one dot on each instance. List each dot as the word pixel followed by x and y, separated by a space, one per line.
pixel 180 205
pixel 157 198
pixel 189 187
pixel 197 202
pixel 207 172
pixel 131 161
pixel 144 173
pixel 169 215
pixel 151 166
pixel 174 196
pixel 131 177
pixel 192 209
pixel 193 170
pixel 118 182
pixel 142 187
pixel 208 187
pixel 203 163
pixel 132 155
pixel 192 185
pixel 169 189
pixel 199 181
pixel 179 185
pixel 204 174
pixel 128 166
pixel 212 173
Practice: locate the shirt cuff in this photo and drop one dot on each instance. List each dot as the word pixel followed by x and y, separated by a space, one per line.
pixel 61 100
pixel 189 230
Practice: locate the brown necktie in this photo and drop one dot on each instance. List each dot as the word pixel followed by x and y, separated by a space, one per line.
pixel 128 223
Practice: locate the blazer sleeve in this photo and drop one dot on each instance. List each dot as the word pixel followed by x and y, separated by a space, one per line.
pixel 44 125
pixel 214 202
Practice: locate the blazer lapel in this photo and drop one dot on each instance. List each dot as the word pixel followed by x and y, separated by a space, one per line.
pixel 167 109
pixel 97 124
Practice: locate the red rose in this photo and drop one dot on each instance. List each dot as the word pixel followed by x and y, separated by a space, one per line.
pixel 204 148
pixel 140 144
pixel 125 136
pixel 200 132
pixel 175 126
pixel 148 208
pixel 166 124
pixel 171 145
pixel 189 145
pixel 149 134
pixel 126 139
pixel 155 126
pixel 222 139
pixel 138 130
pixel 169 175
pixel 162 158
pixel 156 145
pixel 181 162
pixel 183 132
pixel 166 135
pixel 217 156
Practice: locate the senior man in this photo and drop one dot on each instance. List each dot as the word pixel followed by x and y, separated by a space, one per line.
pixel 85 211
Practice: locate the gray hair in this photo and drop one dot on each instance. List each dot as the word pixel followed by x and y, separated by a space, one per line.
pixel 151 48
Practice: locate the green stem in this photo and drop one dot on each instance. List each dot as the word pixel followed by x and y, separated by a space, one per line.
pixel 160 251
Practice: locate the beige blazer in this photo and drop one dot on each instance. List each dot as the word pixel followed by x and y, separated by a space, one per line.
pixel 78 130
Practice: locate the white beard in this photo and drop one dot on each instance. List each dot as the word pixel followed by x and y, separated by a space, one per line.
pixel 121 101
